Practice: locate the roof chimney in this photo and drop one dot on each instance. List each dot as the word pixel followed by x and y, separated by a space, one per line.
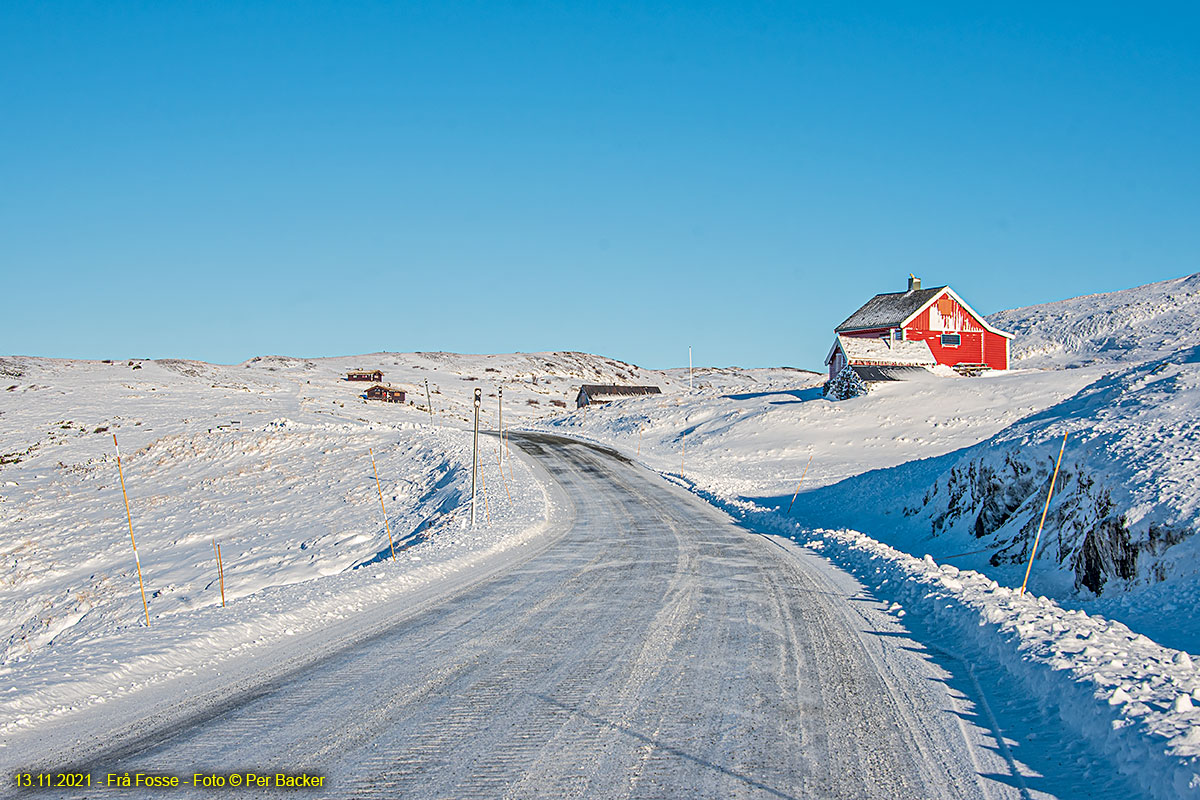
pixel 914 283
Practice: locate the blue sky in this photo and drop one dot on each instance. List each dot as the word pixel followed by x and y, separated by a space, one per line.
pixel 223 180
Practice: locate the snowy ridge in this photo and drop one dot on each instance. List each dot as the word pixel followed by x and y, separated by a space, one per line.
pixel 1130 325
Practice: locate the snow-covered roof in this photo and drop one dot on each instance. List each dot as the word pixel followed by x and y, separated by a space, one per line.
pixel 594 390
pixel 873 350
pixel 897 309
pixel 889 310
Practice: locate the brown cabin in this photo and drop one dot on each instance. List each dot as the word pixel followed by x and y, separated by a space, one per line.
pixel 385 393
pixel 364 375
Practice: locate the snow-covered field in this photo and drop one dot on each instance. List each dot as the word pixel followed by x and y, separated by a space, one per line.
pixel 270 460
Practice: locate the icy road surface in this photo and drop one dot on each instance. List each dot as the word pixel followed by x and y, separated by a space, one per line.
pixel 655 650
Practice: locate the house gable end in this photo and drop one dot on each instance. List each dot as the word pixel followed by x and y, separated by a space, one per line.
pixel 947 291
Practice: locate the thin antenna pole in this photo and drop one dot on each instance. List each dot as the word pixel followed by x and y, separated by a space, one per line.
pixel 429 401
pixel 1049 494
pixel 129 519
pixel 379 488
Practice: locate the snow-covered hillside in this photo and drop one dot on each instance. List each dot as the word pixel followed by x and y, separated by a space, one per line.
pixel 1132 325
pixel 1119 533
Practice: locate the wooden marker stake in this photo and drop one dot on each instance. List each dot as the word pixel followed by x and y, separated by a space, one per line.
pixel 386 527
pixel 486 508
pixel 1049 494
pixel 220 570
pixel 129 518
pixel 500 464
pixel 798 485
pixel 508 460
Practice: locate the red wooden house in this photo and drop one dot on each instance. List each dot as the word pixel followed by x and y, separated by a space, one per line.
pixel 385 393
pixel 956 335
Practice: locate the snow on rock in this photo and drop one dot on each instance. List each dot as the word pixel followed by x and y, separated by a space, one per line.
pixel 1127 499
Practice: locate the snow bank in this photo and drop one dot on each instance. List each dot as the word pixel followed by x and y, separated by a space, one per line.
pixel 1130 697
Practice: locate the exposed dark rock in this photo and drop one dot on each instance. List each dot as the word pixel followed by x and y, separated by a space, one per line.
pixel 1106 552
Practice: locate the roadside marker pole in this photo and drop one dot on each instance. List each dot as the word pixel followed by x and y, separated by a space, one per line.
pixel 1049 494
pixel 500 414
pixel 486 507
pixel 508 459
pixel 798 485
pixel 379 488
pixel 429 401
pixel 500 464
pixel 129 519
pixel 475 455
pixel 220 570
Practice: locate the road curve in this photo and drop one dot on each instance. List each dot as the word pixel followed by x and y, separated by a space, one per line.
pixel 655 650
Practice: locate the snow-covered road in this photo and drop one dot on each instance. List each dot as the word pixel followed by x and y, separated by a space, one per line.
pixel 656 649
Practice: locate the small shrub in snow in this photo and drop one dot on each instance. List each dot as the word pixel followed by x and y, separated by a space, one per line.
pixel 845 385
